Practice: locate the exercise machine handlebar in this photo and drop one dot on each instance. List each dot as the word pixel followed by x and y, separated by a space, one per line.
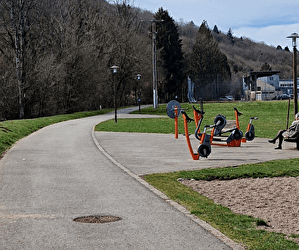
pixel 187 117
pixel 198 111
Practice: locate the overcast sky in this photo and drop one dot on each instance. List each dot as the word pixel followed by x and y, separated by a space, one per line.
pixel 262 21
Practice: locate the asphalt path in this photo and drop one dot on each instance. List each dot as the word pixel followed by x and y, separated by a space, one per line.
pixel 58 173
pixel 161 153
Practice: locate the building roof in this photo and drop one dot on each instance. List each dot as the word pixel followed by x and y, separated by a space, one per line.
pixel 258 74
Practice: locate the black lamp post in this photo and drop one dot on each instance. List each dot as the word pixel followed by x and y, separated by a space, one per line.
pixel 139 100
pixel 114 71
pixel 294 36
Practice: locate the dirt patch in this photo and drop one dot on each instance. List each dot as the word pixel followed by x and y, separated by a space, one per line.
pixel 274 200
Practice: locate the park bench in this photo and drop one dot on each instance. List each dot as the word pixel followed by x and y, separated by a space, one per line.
pixel 296 140
pixel 294 137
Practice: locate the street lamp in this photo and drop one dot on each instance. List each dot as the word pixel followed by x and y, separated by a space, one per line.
pixel 294 36
pixel 114 71
pixel 138 89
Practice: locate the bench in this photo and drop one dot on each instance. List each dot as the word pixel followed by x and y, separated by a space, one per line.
pixel 296 140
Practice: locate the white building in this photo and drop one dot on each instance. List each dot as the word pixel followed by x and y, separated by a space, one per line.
pixel 286 86
pixel 271 80
pixel 265 91
pixel 262 85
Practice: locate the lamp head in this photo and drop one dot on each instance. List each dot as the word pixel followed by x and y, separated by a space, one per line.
pixel 114 69
pixel 294 36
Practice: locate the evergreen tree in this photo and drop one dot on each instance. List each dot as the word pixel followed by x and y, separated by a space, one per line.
pixel 279 47
pixel 230 35
pixel 171 56
pixel 207 62
pixel 216 29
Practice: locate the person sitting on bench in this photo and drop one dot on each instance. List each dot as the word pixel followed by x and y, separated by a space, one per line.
pixel 291 133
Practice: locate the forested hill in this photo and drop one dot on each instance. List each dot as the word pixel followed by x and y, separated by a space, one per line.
pixel 243 53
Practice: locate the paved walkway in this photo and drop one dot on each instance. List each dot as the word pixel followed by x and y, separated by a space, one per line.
pixel 62 172
pixel 58 173
pixel 156 153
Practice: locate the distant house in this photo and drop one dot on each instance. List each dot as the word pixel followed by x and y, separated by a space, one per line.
pixel 267 87
pixel 261 85
pixel 281 87
pixel 286 86
pixel 265 91
pixel 271 80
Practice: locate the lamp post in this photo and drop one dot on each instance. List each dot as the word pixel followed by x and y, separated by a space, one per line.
pixel 114 71
pixel 138 89
pixel 294 36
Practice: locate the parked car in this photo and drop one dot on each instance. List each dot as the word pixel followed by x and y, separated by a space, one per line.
pixel 283 97
pixel 226 98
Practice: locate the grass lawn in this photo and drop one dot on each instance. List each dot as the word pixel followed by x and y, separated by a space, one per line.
pixel 272 117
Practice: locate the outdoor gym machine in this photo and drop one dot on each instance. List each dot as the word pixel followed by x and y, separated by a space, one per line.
pixel 173 111
pixel 236 136
pixel 204 148
pixel 187 119
pixel 234 139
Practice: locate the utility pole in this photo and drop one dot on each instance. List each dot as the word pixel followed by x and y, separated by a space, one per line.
pixel 155 85
pixel 294 36
pixel 295 79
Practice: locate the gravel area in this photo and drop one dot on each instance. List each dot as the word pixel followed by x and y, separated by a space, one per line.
pixel 275 200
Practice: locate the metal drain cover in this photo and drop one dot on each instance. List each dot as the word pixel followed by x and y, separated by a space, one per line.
pixel 97 219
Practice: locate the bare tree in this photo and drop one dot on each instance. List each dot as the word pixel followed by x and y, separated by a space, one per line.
pixel 16 22
pixel 58 55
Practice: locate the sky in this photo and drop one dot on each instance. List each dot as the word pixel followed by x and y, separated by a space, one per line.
pixel 268 21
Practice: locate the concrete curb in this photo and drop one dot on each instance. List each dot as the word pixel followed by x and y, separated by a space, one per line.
pixel 176 205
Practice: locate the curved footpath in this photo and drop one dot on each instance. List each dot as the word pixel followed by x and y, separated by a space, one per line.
pixel 67 170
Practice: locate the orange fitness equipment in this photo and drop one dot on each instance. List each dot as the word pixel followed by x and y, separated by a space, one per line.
pixel 236 137
pixel 187 119
pixel 173 111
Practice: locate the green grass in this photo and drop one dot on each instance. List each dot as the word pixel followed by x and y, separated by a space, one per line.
pixel 241 228
pixel 277 168
pixel 139 125
pixel 14 130
pixel 272 117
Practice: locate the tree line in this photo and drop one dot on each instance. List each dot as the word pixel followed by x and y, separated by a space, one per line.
pixel 56 57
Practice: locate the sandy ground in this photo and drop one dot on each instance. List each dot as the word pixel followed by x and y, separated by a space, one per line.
pixel 275 200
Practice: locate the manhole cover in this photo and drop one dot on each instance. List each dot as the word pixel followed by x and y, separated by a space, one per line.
pixel 97 219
